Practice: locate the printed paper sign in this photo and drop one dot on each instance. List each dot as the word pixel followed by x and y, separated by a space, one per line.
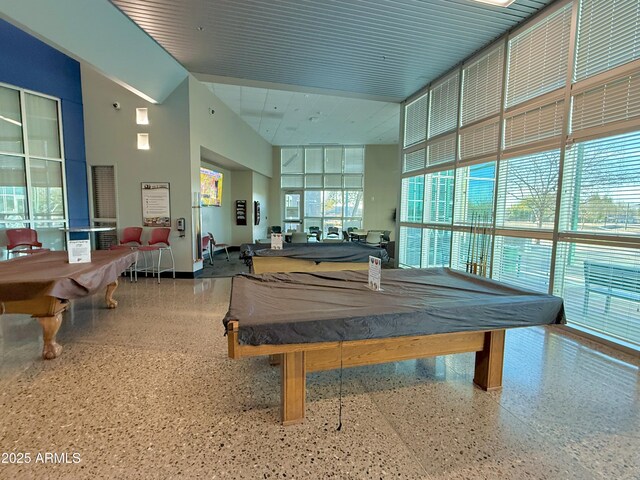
pixel 276 241
pixel 375 266
pixel 79 251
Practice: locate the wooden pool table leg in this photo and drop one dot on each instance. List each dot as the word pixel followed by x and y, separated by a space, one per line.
pixel 293 382
pixel 111 302
pixel 274 360
pixel 488 374
pixel 50 325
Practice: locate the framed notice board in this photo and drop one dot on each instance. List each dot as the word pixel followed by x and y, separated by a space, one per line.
pixel 156 210
pixel 241 212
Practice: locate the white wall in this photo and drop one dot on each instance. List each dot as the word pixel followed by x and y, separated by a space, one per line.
pixel 261 186
pixel 242 189
pixel 217 219
pixel 110 137
pixel 381 183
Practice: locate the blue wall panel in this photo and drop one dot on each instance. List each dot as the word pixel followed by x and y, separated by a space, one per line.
pixel 28 63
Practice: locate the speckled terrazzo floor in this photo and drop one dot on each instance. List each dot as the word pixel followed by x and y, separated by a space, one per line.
pixel 147 391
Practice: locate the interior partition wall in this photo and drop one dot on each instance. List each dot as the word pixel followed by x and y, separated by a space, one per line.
pixel 523 164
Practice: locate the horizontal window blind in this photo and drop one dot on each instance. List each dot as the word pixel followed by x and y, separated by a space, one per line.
pixel 482 86
pixel 443 109
pixel 353 181
pixel 436 248
pixel 474 192
pixel 480 140
pixel 608 35
pixel 11 128
pixel 538 123
pixel 333 160
pixel 313 160
pixel 103 183
pixel 441 150
pixel 292 160
pixel 527 191
pixel 353 160
pixel 413 161
pixel 410 243
pixel 438 197
pixel 615 101
pixel 412 199
pixel 522 262
pixel 601 288
pixel 415 121
pixel 313 181
pixel 601 192
pixel 333 181
pixel 292 181
pixel 538 57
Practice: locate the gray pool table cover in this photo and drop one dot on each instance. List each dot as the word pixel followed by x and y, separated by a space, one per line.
pixel 283 308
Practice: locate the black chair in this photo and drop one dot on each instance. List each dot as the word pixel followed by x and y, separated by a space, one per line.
pixel 345 236
pixel 333 232
pixel 315 231
pixel 276 229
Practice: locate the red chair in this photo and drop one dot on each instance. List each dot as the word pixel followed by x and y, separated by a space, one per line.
pixel 24 237
pixel 131 239
pixel 207 247
pixel 159 242
pixel 215 245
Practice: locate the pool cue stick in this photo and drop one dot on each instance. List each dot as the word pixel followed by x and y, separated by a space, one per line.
pixel 469 249
pixel 340 408
pixel 472 242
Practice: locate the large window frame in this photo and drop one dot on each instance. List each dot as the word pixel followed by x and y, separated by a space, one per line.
pixel 48 228
pixel 328 190
pixel 545 128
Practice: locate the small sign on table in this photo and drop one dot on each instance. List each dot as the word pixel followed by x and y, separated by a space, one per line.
pixel 276 241
pixel 79 251
pixel 375 266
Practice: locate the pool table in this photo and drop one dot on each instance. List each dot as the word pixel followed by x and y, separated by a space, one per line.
pixel 42 285
pixel 308 322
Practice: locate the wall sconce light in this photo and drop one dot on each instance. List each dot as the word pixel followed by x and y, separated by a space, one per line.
pixel 143 141
pixel 142 116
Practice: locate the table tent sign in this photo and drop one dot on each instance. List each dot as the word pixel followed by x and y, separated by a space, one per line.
pixel 276 241
pixel 375 267
pixel 79 251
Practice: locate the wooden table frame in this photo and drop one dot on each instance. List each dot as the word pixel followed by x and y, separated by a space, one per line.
pixel 48 311
pixel 298 359
pixel 287 264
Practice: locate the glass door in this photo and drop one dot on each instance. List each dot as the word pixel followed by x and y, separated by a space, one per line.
pixel 292 212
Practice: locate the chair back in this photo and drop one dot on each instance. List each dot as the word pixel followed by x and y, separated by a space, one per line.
pixel 386 236
pixel 160 235
pixel 22 237
pixel 131 235
pixel 205 242
pixel 276 229
pixel 345 235
pixel 373 238
pixel 298 237
pixel 213 240
pixel 333 231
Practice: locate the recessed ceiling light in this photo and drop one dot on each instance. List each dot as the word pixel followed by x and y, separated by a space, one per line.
pixel 499 3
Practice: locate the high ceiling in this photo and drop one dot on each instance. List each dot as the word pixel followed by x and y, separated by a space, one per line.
pixel 382 50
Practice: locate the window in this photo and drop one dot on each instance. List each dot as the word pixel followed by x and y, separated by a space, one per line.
pixel 474 193
pixel 436 248
pixel 412 203
pixel 31 165
pixel 443 109
pixel 482 86
pixel 438 197
pixel 538 57
pixel 601 187
pixel 331 180
pixel 527 191
pixel 410 247
pixel 614 24
pixel 522 262
pixel 416 121
pixel 601 289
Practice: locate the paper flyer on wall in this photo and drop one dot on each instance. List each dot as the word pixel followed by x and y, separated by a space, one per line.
pixel 276 241
pixel 79 251
pixel 375 267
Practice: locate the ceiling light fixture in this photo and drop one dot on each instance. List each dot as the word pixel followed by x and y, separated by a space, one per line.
pixel 499 3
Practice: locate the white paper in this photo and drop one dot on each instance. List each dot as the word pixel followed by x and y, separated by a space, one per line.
pixel 79 251
pixel 276 241
pixel 375 267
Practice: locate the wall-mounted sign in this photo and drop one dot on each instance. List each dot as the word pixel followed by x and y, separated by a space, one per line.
pixel 241 212
pixel 156 208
